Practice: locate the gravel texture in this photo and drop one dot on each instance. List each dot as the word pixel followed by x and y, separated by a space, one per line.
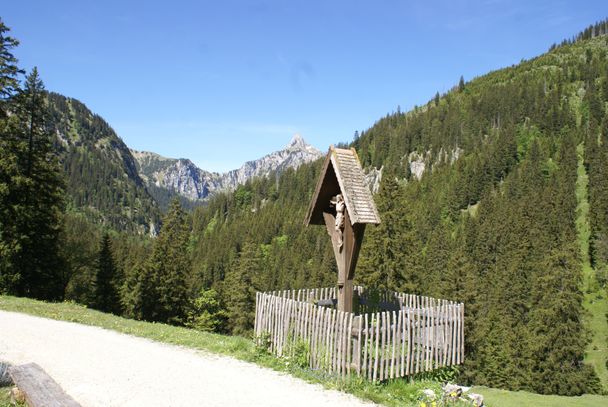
pixel 98 367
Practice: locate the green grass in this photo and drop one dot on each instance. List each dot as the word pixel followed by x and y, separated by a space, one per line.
pixel 392 393
pixel 595 302
pixel 399 392
pixel 596 353
pixel 5 398
pixel 504 398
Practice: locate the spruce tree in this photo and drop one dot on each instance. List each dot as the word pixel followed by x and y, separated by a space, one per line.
pixel 106 293
pixel 165 293
pixel 239 292
pixel 32 198
pixel 9 70
pixel 9 128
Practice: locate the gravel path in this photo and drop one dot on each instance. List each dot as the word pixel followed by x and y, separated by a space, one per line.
pixel 98 367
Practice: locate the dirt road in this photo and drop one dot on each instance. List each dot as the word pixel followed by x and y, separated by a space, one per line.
pixel 98 367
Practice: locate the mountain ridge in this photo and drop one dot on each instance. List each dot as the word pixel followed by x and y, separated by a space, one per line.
pixel 182 177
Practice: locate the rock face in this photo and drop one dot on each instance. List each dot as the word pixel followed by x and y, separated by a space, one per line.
pixel 419 163
pixel 183 177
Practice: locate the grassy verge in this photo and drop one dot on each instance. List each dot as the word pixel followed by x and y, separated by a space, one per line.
pixel 595 302
pixel 392 393
pixel 5 398
pixel 504 398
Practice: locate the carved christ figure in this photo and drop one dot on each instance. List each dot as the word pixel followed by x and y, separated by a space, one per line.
pixel 338 202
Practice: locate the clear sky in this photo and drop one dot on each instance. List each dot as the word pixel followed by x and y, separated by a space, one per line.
pixel 225 81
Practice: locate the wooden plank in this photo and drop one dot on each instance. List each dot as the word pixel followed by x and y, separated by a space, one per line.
pixel 382 323
pixel 287 324
pixel 323 332
pixel 311 334
pixel 282 304
pixel 409 330
pixel 271 324
pixel 428 354
pixel 334 330
pixel 403 339
pixel 444 338
pixel 376 319
pixel 454 333
pixel 418 339
pixel 280 324
pixel 267 314
pixel 393 325
pixel 349 344
pixel 298 319
pixel 432 346
pixel 341 343
pixel 357 355
pixel 461 333
pixel 346 339
pixel 387 347
pixel 276 322
pixel 257 314
pixel 305 316
pixel 366 346
pixel 320 335
pixel 313 337
pixel 39 388
pixel 331 344
pixel 305 320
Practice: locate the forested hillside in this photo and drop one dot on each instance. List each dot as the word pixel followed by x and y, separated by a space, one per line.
pixel 101 174
pixel 509 215
pixel 495 229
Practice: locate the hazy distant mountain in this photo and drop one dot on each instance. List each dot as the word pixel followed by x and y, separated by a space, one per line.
pixel 166 176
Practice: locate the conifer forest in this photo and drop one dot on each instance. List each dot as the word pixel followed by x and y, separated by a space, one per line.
pixel 505 210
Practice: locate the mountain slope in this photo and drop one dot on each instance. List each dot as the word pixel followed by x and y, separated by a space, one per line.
pixel 101 173
pixel 491 220
pixel 182 177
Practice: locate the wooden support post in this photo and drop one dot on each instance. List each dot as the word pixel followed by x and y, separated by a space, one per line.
pixel 346 256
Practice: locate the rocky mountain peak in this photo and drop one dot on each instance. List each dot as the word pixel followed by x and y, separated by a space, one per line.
pixel 182 177
pixel 297 141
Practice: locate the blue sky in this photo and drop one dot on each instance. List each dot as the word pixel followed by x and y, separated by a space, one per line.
pixel 222 82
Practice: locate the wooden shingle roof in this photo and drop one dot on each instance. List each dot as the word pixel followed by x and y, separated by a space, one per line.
pixel 342 173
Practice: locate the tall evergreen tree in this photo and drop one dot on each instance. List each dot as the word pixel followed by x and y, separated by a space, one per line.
pixel 239 291
pixel 165 293
pixel 9 70
pixel 9 128
pixel 106 293
pixel 32 198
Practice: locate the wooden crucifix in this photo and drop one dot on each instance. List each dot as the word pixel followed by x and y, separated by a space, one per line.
pixel 344 204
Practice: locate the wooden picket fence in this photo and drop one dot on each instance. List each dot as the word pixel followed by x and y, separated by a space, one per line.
pixel 421 334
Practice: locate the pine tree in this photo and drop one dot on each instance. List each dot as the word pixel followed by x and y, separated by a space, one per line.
pixel 239 293
pixel 163 285
pixel 9 70
pixel 32 198
pixel 9 128
pixel 555 325
pixel 106 293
